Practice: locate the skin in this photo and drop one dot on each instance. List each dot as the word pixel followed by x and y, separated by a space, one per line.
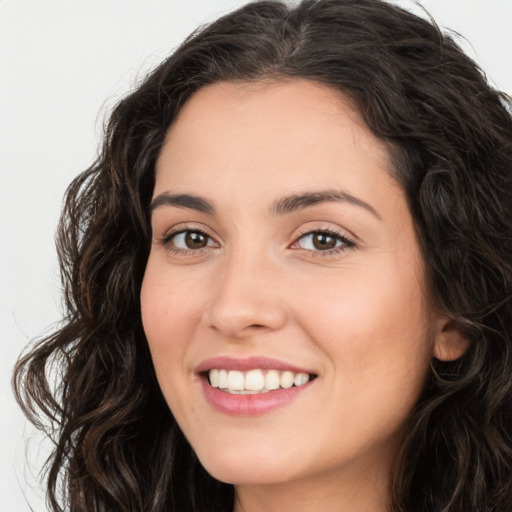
pixel 356 316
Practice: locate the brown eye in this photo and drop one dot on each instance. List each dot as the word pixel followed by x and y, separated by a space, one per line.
pixel 195 240
pixel 324 241
pixel 190 240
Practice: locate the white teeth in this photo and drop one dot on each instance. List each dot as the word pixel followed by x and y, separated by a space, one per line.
pixel 214 378
pixel 255 381
pixel 301 379
pixel 287 380
pixel 272 380
pixel 223 379
pixel 236 380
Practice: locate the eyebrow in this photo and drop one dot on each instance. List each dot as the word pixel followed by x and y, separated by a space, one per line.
pixel 182 201
pixel 299 201
pixel 282 206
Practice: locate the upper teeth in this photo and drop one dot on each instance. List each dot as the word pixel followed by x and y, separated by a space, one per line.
pixel 255 381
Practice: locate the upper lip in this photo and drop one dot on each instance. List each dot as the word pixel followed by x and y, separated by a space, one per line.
pixel 248 363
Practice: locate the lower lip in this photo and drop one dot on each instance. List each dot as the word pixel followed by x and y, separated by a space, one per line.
pixel 250 405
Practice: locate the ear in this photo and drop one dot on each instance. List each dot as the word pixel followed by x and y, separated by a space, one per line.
pixel 449 342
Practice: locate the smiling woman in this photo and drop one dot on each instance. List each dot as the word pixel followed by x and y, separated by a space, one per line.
pixel 306 305
pixel 289 278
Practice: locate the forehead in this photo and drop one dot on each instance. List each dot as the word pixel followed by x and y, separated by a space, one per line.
pixel 291 135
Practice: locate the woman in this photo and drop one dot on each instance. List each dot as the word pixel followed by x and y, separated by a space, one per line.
pixel 288 278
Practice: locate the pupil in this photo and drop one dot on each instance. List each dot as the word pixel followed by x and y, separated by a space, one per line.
pixel 323 242
pixel 195 240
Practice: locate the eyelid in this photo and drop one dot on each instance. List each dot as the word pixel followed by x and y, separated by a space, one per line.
pixel 180 227
pixel 183 228
pixel 347 240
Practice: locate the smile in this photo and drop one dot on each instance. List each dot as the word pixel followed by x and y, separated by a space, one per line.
pixel 255 381
pixel 252 386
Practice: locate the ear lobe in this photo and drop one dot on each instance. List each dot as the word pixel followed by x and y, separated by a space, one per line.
pixel 449 343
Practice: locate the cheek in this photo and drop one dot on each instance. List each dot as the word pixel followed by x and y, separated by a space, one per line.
pixel 377 341
pixel 169 315
pixel 374 326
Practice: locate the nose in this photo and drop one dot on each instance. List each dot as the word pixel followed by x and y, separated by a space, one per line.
pixel 247 298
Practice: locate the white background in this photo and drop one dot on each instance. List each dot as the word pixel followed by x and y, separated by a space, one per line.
pixel 63 65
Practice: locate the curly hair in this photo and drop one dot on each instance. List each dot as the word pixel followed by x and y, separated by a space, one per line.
pixel 117 445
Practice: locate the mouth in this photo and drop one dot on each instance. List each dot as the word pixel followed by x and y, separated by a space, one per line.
pixel 255 381
pixel 252 386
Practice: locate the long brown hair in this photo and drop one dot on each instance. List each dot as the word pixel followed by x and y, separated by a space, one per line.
pixel 117 446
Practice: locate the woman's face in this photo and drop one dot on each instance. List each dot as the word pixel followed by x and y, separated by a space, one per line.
pixel 284 251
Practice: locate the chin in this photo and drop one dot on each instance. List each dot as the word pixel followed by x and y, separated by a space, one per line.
pixel 248 467
pixel 247 475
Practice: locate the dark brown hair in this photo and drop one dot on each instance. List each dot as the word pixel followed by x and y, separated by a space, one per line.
pixel 118 447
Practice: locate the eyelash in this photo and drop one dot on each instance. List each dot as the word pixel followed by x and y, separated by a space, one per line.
pixel 346 242
pixel 166 241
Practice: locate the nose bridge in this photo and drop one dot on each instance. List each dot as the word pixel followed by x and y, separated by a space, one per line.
pixel 246 297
